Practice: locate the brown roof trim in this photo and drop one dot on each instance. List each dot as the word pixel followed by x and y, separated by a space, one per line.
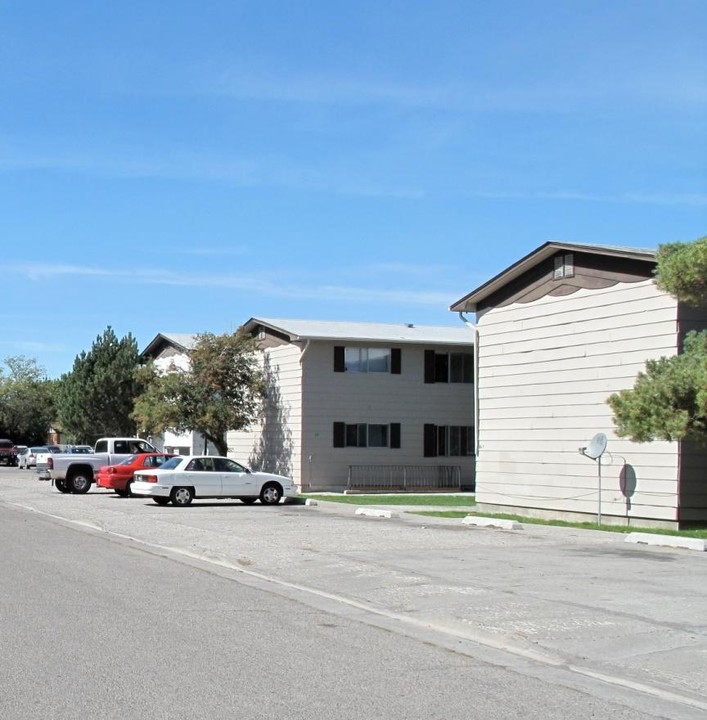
pixel 469 302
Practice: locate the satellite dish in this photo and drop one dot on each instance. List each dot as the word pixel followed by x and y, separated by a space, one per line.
pixel 596 447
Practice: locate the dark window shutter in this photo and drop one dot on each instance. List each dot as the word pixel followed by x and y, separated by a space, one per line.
pixel 339 435
pixel 429 366
pixel 430 441
pixel 395 435
pixel 441 367
pixel 395 361
pixel 339 359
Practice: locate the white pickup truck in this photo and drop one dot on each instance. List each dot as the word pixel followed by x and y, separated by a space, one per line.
pixel 74 473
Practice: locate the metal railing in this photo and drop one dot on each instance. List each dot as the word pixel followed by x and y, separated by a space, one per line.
pixel 410 478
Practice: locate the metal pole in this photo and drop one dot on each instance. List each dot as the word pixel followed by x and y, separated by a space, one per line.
pixel 599 498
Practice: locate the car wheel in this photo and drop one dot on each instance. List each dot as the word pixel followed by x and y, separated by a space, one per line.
pixel 121 493
pixel 80 483
pixel 129 489
pixel 61 486
pixel 270 494
pixel 182 496
pixel 247 500
pixel 160 500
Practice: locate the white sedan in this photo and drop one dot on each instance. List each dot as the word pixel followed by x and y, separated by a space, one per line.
pixel 182 479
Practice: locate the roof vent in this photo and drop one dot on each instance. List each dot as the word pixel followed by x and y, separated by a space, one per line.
pixel 410 325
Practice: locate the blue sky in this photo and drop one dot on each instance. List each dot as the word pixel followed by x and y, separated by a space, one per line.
pixel 183 166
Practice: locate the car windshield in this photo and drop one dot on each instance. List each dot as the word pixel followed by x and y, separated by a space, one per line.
pixel 171 463
pixel 36 450
pixel 128 460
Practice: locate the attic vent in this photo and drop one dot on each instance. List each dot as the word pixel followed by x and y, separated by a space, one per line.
pixel 564 266
pixel 410 325
pixel 261 333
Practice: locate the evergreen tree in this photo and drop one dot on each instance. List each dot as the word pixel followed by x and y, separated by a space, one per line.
pixel 96 398
pixel 669 400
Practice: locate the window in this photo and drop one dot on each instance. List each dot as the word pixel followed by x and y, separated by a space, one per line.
pixel 228 465
pixel 564 266
pixel 367 360
pixel 366 435
pixel 448 367
pixel 448 440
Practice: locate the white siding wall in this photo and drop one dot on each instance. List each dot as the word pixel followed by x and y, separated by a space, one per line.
pixel 274 443
pixel 376 398
pixel 312 397
pixel 546 371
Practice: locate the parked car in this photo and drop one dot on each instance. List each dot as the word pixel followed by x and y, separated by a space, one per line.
pixel 28 457
pixel 8 453
pixel 120 477
pixel 185 478
pixel 42 463
pixel 78 449
pixel 74 473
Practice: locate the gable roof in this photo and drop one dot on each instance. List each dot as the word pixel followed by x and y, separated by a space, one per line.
pixel 469 302
pixel 296 330
pixel 181 341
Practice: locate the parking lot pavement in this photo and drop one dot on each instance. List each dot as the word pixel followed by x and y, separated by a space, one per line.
pixel 556 600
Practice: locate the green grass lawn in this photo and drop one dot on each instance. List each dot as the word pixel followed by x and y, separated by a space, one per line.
pixel 427 500
pixel 468 501
pixel 562 523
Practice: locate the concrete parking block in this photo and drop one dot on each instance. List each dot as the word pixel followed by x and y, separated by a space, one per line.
pixel 492 522
pixel 374 512
pixel 667 541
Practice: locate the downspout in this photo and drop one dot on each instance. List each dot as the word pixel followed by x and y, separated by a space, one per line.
pixel 306 347
pixel 309 457
pixel 474 328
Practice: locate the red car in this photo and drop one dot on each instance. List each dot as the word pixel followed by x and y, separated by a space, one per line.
pixel 119 477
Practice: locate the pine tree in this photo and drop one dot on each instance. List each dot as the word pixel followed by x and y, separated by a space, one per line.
pixel 669 400
pixel 96 398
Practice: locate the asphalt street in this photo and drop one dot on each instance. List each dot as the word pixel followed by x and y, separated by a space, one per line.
pixel 360 617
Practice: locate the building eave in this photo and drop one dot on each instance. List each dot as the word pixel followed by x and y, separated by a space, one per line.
pixel 469 302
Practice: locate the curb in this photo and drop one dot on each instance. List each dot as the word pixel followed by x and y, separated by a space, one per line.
pixel 492 522
pixel 667 541
pixel 373 512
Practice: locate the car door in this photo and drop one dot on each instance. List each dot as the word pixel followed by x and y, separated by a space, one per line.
pixel 201 474
pixel 236 480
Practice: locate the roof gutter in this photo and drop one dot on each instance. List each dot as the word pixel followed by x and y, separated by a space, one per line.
pixel 474 328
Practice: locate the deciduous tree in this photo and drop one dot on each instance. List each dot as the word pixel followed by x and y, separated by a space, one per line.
pixel 26 401
pixel 221 391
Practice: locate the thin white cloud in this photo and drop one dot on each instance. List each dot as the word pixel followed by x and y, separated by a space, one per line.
pixel 320 89
pixel 692 199
pixel 209 251
pixel 467 96
pixel 253 285
pixel 191 166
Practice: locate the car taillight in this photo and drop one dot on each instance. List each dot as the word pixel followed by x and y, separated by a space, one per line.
pixel 50 463
pixel 150 478
pixel 111 470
